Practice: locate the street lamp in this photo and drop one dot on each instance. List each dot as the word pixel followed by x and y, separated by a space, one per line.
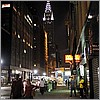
pixel 1 61
pixel 44 74
pixel 35 71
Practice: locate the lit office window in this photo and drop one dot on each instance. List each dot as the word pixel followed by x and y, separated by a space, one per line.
pixel 34 46
pixel 24 51
pixel 23 40
pixel 31 47
pixel 34 24
pixel 5 5
pixel 18 36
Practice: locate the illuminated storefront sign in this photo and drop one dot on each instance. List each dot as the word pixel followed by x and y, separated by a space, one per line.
pixel 69 58
pixel 59 69
pixel 77 58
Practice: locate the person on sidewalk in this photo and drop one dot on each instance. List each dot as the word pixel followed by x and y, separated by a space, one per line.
pixel 42 86
pixel 73 86
pixel 81 86
pixel 28 90
pixel 17 88
pixel 50 86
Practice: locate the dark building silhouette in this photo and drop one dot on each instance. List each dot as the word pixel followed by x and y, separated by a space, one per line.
pixel 38 43
pixel 18 23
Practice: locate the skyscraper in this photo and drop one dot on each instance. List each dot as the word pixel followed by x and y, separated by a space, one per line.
pixel 17 39
pixel 48 25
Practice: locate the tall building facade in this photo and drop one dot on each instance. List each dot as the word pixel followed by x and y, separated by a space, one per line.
pixel 38 39
pixel 48 25
pixel 38 44
pixel 17 28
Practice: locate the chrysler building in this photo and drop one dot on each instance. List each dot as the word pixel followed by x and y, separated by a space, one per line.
pixel 48 25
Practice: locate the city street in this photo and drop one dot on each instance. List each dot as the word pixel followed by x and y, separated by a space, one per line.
pixel 50 44
pixel 60 93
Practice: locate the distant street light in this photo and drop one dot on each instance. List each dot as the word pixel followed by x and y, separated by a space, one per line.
pixel 1 61
pixel 35 71
pixel 44 74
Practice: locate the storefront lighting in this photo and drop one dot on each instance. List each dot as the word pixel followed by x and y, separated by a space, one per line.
pixel 69 58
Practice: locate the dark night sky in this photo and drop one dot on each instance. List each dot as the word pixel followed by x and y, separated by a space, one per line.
pixel 59 9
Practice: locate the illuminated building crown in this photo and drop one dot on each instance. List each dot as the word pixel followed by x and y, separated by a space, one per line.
pixel 48 10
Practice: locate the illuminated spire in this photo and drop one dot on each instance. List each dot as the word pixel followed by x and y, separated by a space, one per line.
pixel 48 7
pixel 48 10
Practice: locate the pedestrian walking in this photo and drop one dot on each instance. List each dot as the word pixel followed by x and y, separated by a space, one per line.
pixel 50 86
pixel 42 86
pixel 66 82
pixel 73 86
pixel 81 86
pixel 28 90
pixel 46 86
pixel 17 88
